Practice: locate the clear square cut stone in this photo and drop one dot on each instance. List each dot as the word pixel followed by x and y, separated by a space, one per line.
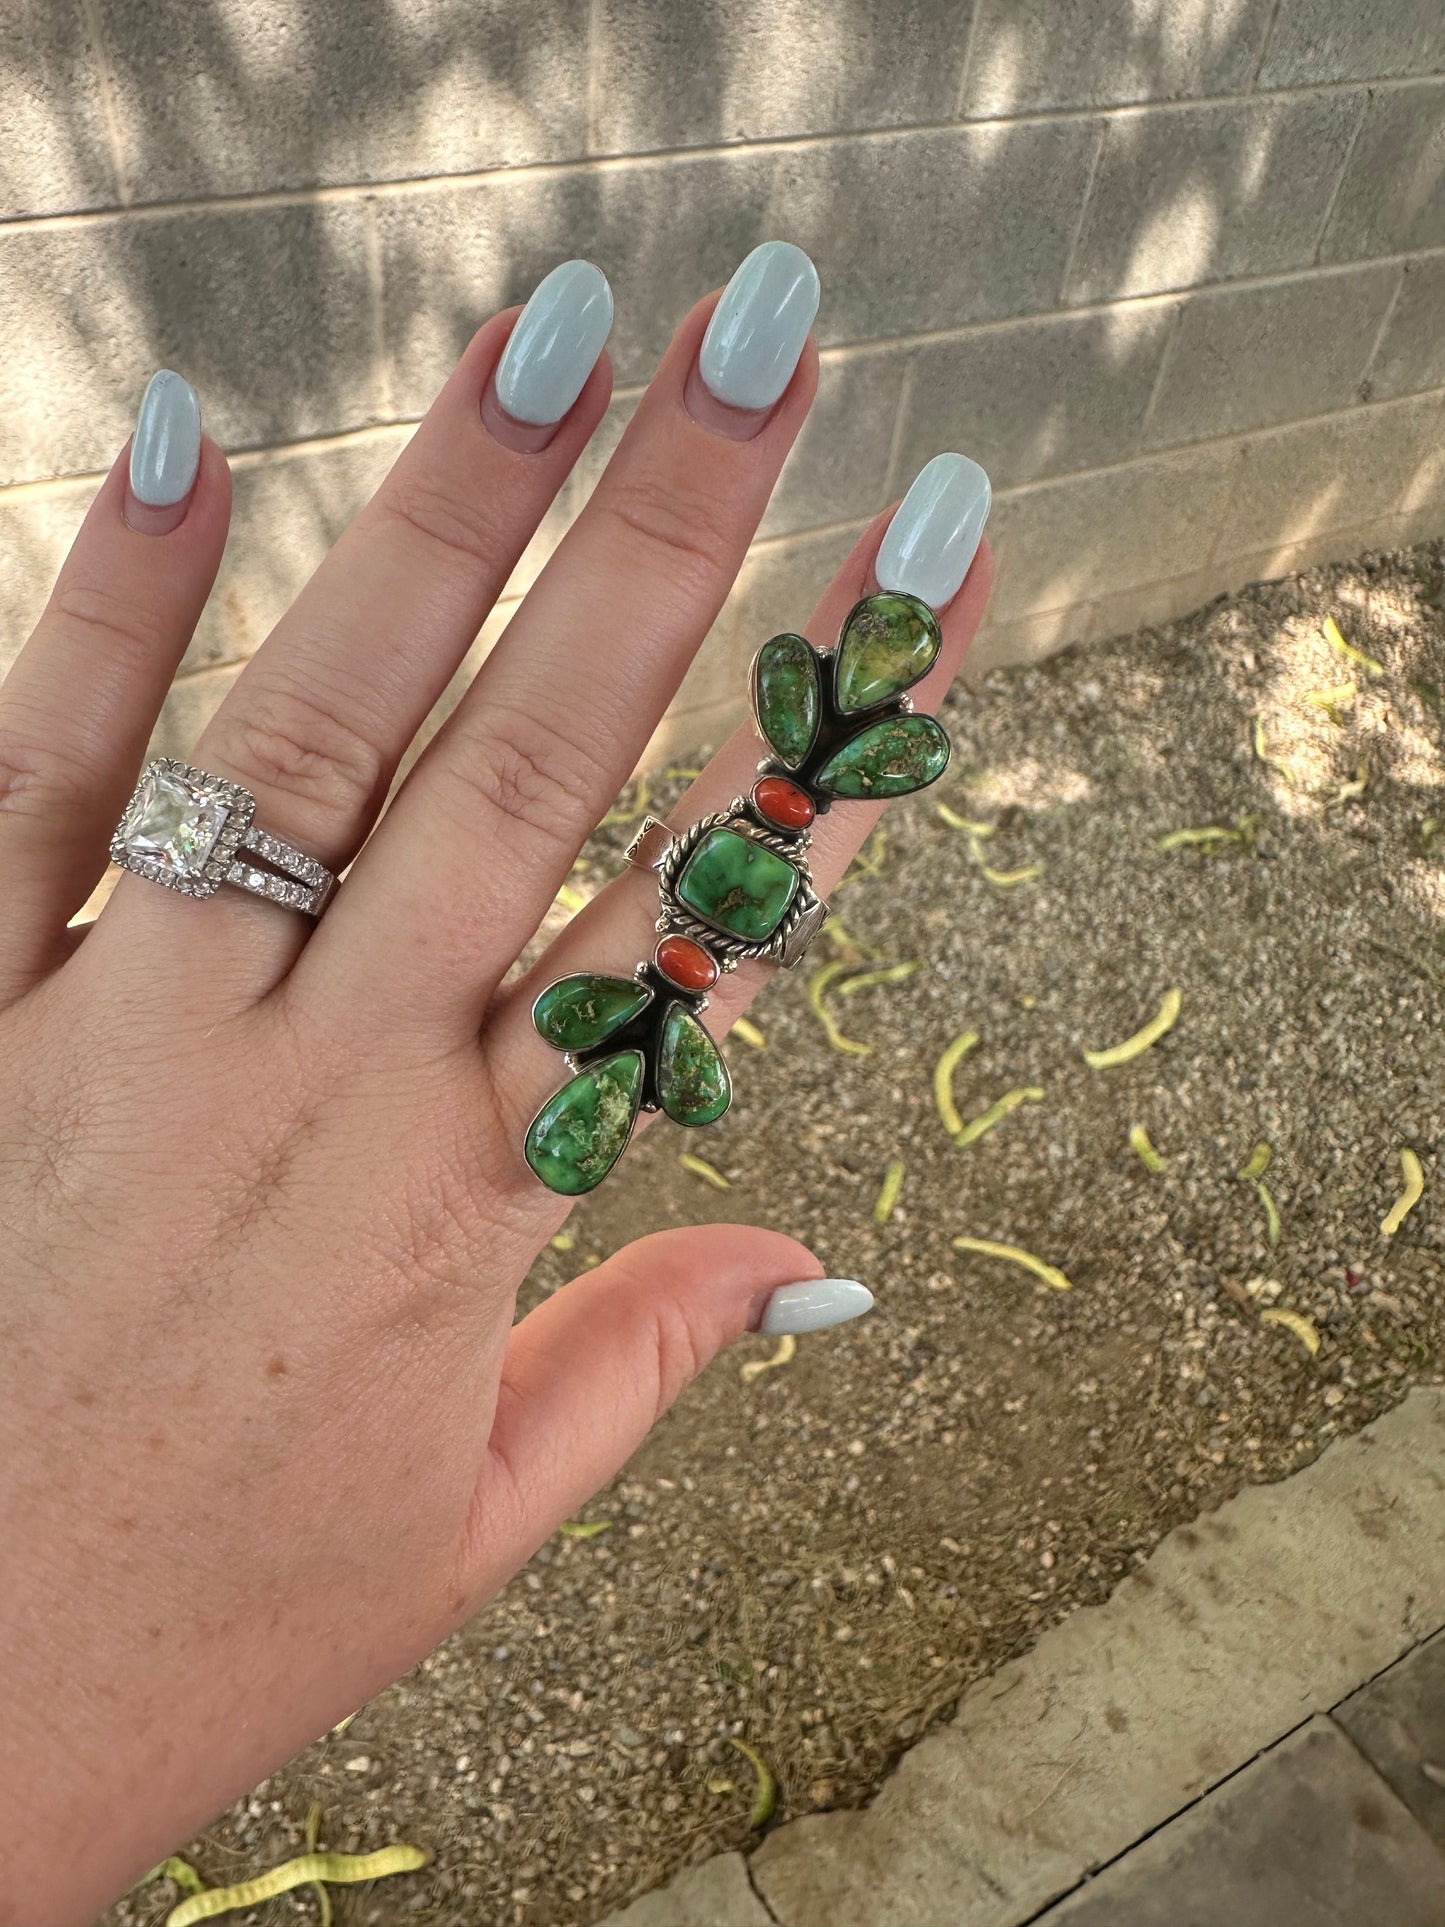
pixel 174 822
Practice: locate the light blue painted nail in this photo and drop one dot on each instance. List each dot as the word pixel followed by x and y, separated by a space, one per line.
pixel 813 1306
pixel 759 326
pixel 165 451
pixel 935 533
pixel 555 344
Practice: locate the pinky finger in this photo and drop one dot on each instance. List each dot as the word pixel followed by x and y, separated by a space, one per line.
pixel 78 707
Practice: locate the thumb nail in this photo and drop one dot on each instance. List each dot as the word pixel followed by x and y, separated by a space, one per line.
pixel 814 1305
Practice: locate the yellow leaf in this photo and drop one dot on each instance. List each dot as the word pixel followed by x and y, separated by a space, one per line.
pixel 784 1355
pixel 869 979
pixel 817 985
pixel 181 1872
pixel 1135 1046
pixel 766 1797
pixel 593 1529
pixel 1333 698
pixel 964 823
pixel 1143 1150
pixel 641 805
pixel 1007 879
pixel 1258 1163
pixel 700 1168
pixel 1191 839
pixel 563 1241
pixel 339 1869
pixel 943 1080
pixel 1295 1322
pixel 888 1196
pixel 570 899
pixel 1411 1195
pixel 1015 1255
pixel 1348 649
pixel 1272 1226
pixel 749 1033
pixel 996 1113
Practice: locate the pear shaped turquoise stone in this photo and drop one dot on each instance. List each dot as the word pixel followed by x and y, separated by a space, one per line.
pixel 578 1135
pixel 888 758
pixel 785 694
pixel 888 642
pixel 577 1012
pixel 692 1079
pixel 738 885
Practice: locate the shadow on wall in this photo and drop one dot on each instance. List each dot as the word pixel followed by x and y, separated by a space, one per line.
pixel 303 316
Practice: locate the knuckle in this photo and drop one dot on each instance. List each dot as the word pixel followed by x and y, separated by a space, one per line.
pixel 680 525
pixel 294 743
pixel 528 773
pixel 36 782
pixel 441 517
pixel 108 622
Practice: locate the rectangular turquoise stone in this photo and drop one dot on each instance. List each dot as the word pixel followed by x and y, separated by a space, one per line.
pixel 738 885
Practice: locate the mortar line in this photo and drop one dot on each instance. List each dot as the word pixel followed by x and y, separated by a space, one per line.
pixel 844 351
pixel 900 417
pixel 1366 379
pixel 109 103
pixel 1339 178
pixel 376 292
pixel 400 186
pixel 589 130
pixel 1175 328
pixel 1088 195
pixel 1265 46
pixel 960 100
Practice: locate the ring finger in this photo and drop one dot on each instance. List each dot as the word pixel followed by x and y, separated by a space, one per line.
pixel 324 711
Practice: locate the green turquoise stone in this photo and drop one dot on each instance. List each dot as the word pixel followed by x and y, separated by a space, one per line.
pixel 692 1079
pixel 888 642
pixel 889 758
pixel 785 694
pixel 577 1012
pixel 738 885
pixel 578 1135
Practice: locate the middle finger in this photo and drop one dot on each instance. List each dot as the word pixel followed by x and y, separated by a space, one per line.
pixel 473 851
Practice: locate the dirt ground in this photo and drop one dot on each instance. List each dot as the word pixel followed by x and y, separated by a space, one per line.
pixel 817 1561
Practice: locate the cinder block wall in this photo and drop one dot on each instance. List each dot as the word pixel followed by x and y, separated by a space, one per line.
pixel 1174 270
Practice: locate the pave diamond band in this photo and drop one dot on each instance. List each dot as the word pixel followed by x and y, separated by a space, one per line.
pixel 193 831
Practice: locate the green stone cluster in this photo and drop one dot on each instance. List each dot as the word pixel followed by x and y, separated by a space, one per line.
pixel 578 1135
pixel 692 1079
pixel 785 684
pixel 893 757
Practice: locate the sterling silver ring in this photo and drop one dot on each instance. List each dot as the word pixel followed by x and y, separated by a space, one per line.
pixel 193 832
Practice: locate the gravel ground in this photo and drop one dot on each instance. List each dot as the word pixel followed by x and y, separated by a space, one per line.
pixel 817 1560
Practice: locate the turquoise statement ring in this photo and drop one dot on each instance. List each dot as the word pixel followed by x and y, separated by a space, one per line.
pixel 839 727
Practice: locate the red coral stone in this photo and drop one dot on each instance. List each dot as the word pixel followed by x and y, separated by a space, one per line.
pixel 686 963
pixel 783 803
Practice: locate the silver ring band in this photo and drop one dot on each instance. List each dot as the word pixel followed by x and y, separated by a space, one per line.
pixel 193 831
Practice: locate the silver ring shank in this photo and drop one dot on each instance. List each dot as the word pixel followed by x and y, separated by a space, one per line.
pixel 305 884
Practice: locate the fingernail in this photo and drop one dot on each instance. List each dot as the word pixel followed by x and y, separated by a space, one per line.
pixel 165 450
pixel 815 1304
pixel 555 344
pixel 935 531
pixel 759 327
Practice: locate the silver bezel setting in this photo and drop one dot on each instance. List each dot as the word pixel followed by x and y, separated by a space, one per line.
pixel 730 951
pixel 240 806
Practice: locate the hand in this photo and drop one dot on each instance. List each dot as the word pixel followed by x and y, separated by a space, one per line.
pixel 267 1430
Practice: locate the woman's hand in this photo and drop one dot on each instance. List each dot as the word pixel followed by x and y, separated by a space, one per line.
pixel 267 1432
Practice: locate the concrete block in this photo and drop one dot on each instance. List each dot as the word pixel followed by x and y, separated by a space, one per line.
pixel 1245 357
pixel 780 585
pixel 1206 193
pixel 676 76
pixel 55 158
pixel 1273 1607
pixel 1035 398
pixel 244 95
pixel 716 1894
pixel 1308 1833
pixel 1319 40
pixel 266 310
pixel 1398 1723
pixel 192 702
pixel 1411 354
pixel 1027 54
pixel 37 526
pixel 1312 478
pixel 1392 195
pixel 838 468
pixel 940 209
pixel 1063 543
pixel 1008 645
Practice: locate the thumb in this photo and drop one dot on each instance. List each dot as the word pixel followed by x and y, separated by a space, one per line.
pixel 590 1371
